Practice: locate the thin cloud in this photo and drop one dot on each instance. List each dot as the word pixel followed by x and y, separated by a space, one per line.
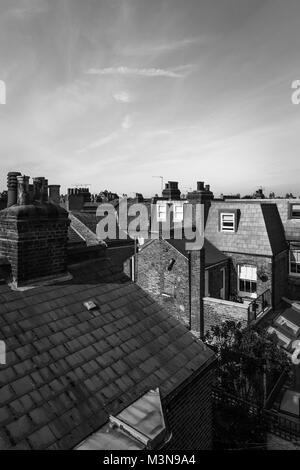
pixel 151 72
pixel 100 142
pixel 164 47
pixel 122 97
pixel 127 122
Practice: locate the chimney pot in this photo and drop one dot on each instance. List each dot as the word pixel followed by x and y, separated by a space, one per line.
pixel 12 187
pixel 38 188
pixel 200 185
pixel 54 193
pixel 23 190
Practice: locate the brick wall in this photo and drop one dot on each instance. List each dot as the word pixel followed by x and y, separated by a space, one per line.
pixel 34 240
pixel 154 277
pixel 190 415
pixel 276 271
pixel 216 311
pixel 261 262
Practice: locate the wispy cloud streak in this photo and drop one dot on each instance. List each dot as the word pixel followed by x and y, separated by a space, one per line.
pixel 143 72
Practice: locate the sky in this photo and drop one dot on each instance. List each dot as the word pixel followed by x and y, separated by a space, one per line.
pixel 113 92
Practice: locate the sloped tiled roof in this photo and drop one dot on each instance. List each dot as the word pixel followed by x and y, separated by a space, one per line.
pixel 84 222
pixel 274 228
pixel 259 229
pixel 68 368
pixel 212 254
pixel 73 237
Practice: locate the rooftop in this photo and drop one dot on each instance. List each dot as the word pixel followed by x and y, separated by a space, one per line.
pixel 68 368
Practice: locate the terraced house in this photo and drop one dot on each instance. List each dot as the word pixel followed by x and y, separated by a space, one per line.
pixel 91 360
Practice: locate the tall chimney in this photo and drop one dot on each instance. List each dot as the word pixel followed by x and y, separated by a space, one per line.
pixel 12 188
pixel 54 193
pixel 23 190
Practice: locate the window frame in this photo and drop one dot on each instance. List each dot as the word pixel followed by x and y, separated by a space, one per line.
pixel 177 206
pixel 158 206
pixel 226 230
pixel 244 293
pixel 296 217
pixel 290 262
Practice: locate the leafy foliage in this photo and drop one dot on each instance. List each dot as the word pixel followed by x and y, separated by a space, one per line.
pixel 249 360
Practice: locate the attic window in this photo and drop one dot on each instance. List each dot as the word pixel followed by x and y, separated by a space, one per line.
pixel 161 212
pixel 90 305
pixel 227 222
pixel 295 211
pixel 178 212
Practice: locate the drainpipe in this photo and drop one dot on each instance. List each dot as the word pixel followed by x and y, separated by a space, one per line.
pixel 190 292
pixel 273 282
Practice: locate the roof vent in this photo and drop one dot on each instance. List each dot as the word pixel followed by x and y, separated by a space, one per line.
pixel 90 305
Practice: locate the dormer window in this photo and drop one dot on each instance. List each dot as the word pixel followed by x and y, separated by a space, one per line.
pixel 227 222
pixel 161 212
pixel 178 212
pixel 295 211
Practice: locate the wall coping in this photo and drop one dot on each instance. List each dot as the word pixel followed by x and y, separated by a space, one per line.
pixel 225 302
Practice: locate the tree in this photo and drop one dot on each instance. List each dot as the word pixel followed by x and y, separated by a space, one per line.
pixel 249 360
pixel 249 363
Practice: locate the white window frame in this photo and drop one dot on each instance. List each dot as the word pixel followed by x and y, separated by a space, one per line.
pixel 291 211
pixel 159 206
pixel 297 263
pixel 175 215
pixel 227 230
pixel 244 293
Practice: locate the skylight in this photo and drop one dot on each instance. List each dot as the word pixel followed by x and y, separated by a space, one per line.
pixel 139 426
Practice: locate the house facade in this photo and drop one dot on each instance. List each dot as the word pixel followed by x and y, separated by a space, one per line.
pixel 251 234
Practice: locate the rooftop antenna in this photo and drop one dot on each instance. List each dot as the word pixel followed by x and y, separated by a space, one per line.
pixel 162 181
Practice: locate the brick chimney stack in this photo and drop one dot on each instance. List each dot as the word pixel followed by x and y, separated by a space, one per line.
pixel 203 195
pixel 34 235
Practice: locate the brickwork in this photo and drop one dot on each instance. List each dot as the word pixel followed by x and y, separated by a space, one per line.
pixel 34 241
pixel 171 288
pixel 263 264
pixel 217 311
pixel 192 408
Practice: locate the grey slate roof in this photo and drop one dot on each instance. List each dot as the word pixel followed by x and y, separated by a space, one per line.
pixel 259 230
pixel 68 368
pixel 212 254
